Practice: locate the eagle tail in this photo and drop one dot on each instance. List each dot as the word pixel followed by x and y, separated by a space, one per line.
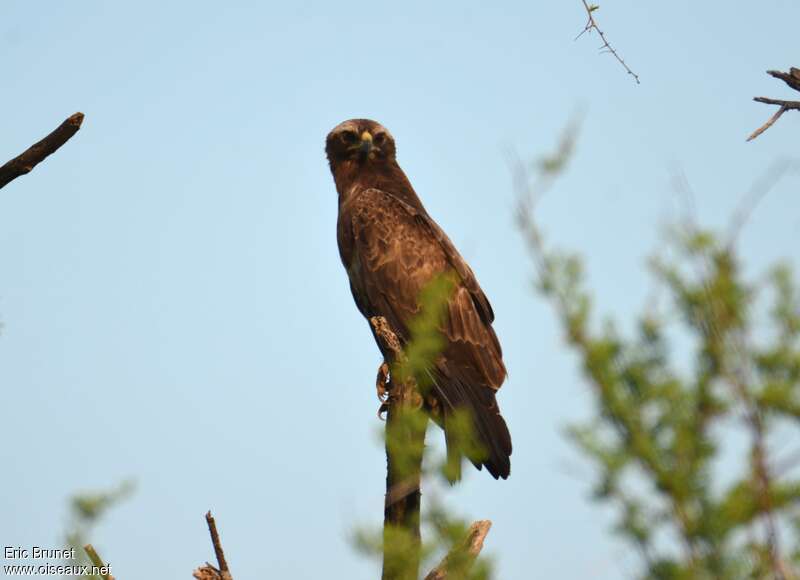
pixel 493 437
pixel 475 429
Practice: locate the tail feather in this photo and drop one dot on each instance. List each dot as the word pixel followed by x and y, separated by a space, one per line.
pixel 488 441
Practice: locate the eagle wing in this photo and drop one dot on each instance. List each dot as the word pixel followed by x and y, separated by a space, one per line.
pixel 391 251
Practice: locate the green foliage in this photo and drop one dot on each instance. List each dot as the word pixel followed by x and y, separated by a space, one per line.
pixel 654 437
pixel 445 533
pixel 462 441
pixel 449 533
pixel 398 546
pixel 421 351
pixel 86 511
pixel 426 338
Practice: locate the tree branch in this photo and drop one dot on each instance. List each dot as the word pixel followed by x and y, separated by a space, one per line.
pixel 97 560
pixel 38 152
pixel 545 262
pixel 405 442
pixel 209 572
pixel 792 78
pixel 591 24
pixel 463 555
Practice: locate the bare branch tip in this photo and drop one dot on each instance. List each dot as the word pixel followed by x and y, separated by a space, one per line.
pixel 471 546
pixel 76 119
pixel 591 24
pixel 792 79
pixel 25 162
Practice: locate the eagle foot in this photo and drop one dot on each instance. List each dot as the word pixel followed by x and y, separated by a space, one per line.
pixel 382 384
pixel 382 410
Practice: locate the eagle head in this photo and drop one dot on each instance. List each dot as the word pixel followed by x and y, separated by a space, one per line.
pixel 359 142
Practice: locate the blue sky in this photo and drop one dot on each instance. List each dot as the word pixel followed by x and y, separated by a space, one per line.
pixel 173 304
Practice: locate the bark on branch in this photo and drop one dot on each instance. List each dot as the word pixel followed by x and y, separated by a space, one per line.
pixel 463 555
pixel 38 152
pixel 97 561
pixel 405 442
pixel 209 572
pixel 792 78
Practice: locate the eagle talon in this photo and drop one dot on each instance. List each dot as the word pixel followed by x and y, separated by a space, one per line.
pixel 382 382
pixel 382 410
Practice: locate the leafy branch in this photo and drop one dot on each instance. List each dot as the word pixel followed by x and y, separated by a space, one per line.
pixel 653 437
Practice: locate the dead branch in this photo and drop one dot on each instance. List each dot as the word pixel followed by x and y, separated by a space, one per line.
pixel 97 561
pixel 209 572
pixel 405 442
pixel 465 553
pixel 38 152
pixel 591 24
pixel 792 78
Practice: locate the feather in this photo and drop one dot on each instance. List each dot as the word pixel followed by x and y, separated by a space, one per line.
pixel 391 249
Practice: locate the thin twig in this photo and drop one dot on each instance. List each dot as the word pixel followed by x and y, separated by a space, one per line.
pixel 795 105
pixel 212 529
pixel 735 368
pixel 527 194
pixel 464 553
pixel 98 561
pixel 591 24
pixel 768 124
pixel 792 78
pixel 38 152
pixel 758 191
pixel 209 572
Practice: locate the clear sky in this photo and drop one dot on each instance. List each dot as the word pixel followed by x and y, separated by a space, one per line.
pixel 173 304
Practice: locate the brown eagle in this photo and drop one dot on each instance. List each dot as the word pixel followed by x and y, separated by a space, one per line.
pixel 391 248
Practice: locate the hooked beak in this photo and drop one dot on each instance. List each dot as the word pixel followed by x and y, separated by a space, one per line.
pixel 366 143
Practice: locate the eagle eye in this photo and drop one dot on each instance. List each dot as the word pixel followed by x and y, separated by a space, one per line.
pixel 349 137
pixel 379 139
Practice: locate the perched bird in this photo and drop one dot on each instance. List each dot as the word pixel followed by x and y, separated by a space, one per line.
pixel 391 248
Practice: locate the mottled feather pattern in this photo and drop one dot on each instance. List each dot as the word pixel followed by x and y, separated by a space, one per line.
pixel 391 249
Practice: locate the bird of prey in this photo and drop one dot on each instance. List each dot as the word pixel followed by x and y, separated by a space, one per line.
pixel 391 248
